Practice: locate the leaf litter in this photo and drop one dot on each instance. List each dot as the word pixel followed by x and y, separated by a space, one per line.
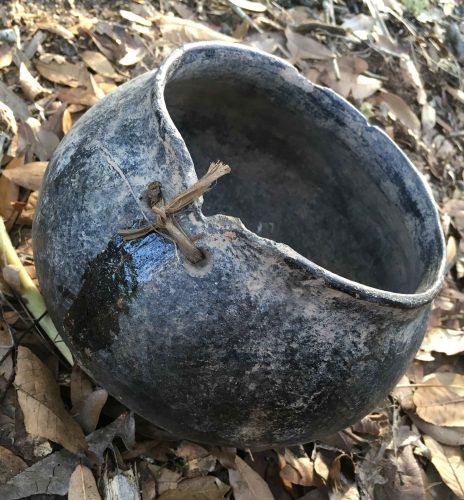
pixel 400 63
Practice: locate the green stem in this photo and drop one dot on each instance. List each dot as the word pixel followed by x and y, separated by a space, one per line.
pixel 30 294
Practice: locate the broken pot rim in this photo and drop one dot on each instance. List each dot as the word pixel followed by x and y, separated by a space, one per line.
pixel 335 281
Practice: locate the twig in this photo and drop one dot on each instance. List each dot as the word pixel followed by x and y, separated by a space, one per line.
pixel 30 295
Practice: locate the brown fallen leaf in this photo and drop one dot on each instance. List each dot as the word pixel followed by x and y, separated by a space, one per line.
pixel 56 29
pixel 81 386
pixel 88 412
pixel 6 55
pixel 166 479
pixel 440 399
pixel 400 110
pixel 14 102
pixel 11 276
pixel 404 477
pixel 29 175
pixel 134 18
pixel 304 47
pixel 450 436
pixel 58 70
pixel 85 96
pixel 40 400
pixel 248 5
pixel 67 121
pixel 449 463
pixel 298 469
pixel 30 86
pixel 82 485
pixel 9 192
pixel 10 465
pixel 180 31
pixel 444 340
pixel 100 64
pixel 246 483
pixel 198 488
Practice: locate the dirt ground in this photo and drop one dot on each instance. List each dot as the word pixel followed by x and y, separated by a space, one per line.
pixel 401 64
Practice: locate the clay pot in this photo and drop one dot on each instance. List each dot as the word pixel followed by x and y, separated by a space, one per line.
pixel 322 251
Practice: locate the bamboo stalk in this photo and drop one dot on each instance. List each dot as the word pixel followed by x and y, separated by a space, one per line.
pixel 30 294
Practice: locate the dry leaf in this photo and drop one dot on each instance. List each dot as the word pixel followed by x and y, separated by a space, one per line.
pixel 404 477
pixel 100 64
pixel 428 117
pixel 88 412
pixel 440 399
pixel 81 386
pixel 450 436
pixel 456 93
pixel 6 55
pixel 82 485
pixel 399 110
pixel 40 400
pixel 248 484
pixel 31 87
pixel 56 29
pixel 28 176
pixel 134 18
pixel 248 5
pixel 361 26
pixel 10 465
pixel 449 463
pixel 11 277
pixel 14 102
pixel 62 71
pixel 51 475
pixel 180 31
pixel 166 479
pixel 298 470
pixel 67 121
pixel 304 47
pixel 9 192
pixel 198 488
pixel 444 340
pixel 84 96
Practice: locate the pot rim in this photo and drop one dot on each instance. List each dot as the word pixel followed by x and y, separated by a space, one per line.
pixel 329 278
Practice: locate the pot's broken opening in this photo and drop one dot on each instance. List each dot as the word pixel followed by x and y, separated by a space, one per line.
pixel 303 174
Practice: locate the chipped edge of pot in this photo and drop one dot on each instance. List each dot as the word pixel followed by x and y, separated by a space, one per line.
pixel 329 278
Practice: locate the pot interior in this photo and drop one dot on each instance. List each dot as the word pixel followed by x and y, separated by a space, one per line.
pixel 299 175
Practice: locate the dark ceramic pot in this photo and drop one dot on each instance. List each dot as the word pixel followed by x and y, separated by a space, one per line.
pixel 319 271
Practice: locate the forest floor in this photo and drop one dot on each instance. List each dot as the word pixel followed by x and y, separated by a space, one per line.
pixel 399 63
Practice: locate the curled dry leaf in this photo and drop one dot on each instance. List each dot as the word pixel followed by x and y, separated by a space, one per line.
pixel 444 340
pixel 246 483
pixel 440 399
pixel 56 29
pixel 6 55
pixel 82 485
pixel 88 412
pixel 100 64
pixel 81 386
pixel 30 86
pixel 166 479
pixel 9 192
pixel 204 488
pixel 10 465
pixel 298 470
pixel 304 47
pixel 248 5
pixel 404 477
pixel 62 71
pixel 450 436
pixel 28 176
pixel 51 475
pixel 400 110
pixel 14 102
pixel 179 31
pixel 449 463
pixel 134 18
pixel 40 400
